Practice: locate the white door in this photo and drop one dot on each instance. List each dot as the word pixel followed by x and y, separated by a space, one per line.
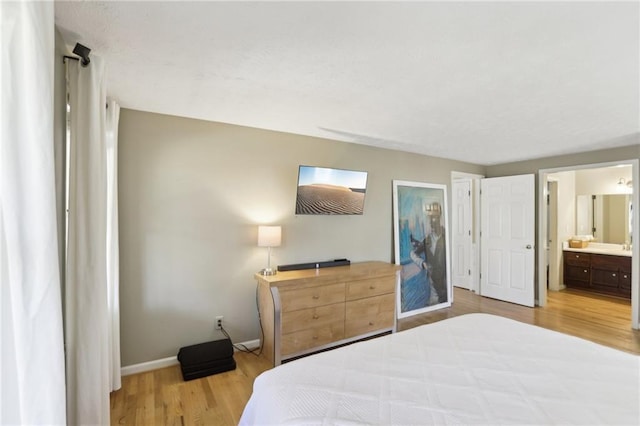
pixel 507 239
pixel 461 256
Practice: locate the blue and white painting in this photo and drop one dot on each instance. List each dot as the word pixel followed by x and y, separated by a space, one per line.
pixel 421 246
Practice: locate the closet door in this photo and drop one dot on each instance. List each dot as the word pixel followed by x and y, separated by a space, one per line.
pixel 462 239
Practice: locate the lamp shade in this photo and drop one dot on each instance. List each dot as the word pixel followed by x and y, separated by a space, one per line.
pixel 269 236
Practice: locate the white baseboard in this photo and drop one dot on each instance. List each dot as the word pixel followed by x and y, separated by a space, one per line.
pixel 250 344
pixel 148 366
pixel 172 360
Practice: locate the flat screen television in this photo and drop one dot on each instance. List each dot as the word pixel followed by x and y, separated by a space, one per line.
pixel 328 191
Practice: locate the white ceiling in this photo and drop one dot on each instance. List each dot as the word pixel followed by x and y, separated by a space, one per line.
pixel 486 83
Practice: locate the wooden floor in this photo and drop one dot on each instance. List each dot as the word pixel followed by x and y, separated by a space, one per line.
pixel 601 319
pixel 161 397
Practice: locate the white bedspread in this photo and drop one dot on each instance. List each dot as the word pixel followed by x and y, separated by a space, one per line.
pixel 476 368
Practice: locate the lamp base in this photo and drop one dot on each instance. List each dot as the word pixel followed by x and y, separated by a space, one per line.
pixel 268 271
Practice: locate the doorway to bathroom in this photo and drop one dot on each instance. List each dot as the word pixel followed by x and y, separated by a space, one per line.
pixel 594 205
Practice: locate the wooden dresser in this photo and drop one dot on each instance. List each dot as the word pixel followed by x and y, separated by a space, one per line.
pixel 313 309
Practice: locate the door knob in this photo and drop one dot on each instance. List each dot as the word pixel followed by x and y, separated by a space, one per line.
pixel 528 246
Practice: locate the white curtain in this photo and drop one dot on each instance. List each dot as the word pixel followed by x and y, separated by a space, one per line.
pixel 113 261
pixel 32 364
pixel 92 331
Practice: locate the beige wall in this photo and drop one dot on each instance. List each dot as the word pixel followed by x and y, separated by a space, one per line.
pixel 191 196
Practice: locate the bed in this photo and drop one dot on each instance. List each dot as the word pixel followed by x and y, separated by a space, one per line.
pixel 471 369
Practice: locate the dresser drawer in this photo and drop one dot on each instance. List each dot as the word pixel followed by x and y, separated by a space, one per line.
pixel 370 287
pixel 312 318
pixel 312 337
pixel 577 259
pixel 311 297
pixel 370 314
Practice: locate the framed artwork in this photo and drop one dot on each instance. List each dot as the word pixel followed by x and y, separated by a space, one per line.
pixel 421 247
pixel 323 190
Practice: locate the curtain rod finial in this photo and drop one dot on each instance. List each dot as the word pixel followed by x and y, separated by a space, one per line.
pixel 83 52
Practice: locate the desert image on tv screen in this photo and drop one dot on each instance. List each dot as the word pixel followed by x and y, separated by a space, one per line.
pixel 330 191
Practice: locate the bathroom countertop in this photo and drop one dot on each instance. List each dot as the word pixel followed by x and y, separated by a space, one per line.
pixel 610 249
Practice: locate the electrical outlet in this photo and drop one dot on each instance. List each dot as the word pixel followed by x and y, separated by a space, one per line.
pixel 219 322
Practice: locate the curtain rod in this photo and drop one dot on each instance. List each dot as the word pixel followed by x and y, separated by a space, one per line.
pixel 83 52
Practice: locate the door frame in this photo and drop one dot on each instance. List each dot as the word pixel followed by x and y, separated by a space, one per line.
pixel 542 227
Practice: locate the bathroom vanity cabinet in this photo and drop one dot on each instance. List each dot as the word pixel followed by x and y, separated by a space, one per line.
pixel 600 273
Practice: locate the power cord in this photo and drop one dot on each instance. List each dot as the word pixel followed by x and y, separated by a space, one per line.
pixel 240 346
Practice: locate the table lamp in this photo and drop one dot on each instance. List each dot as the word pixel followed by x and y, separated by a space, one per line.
pixel 269 236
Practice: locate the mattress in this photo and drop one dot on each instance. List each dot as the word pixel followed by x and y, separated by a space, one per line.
pixel 471 369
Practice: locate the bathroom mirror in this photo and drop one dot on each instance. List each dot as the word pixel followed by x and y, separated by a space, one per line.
pixel 605 216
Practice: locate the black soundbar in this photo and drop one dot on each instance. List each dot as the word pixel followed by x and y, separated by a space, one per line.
pixel 314 265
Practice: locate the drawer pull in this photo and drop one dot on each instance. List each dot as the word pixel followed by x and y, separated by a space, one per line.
pixel 370 322
pixel 585 271
pixel 624 276
pixel 315 337
pixel 315 317
pixel 372 287
pixel 577 256
pixel 315 296
pixel 613 275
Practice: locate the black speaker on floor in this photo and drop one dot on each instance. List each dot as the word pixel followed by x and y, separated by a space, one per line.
pixel 205 359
